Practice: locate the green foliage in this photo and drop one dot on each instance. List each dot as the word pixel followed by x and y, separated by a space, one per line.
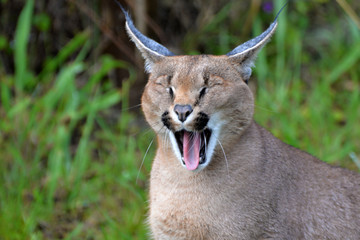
pixel 42 21
pixel 65 170
pixel 21 38
pixel 3 42
pixel 319 115
pixel 70 161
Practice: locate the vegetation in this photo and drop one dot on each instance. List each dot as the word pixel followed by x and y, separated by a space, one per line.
pixel 74 160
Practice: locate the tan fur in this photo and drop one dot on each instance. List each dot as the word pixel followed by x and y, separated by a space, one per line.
pixel 263 189
pixel 236 180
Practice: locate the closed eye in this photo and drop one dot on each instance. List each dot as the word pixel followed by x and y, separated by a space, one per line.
pixel 170 91
pixel 202 92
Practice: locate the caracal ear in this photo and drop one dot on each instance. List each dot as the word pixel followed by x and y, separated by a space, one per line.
pixel 245 54
pixel 151 51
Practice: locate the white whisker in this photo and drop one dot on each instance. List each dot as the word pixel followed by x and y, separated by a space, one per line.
pixel 264 109
pixel 227 164
pixel 143 160
pixel 205 142
pixel 147 150
pixel 167 135
pixel 132 107
pixel 152 126
pixel 200 141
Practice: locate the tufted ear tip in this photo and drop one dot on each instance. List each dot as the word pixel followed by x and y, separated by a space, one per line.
pixel 150 49
pixel 250 48
pixel 245 54
pixel 121 7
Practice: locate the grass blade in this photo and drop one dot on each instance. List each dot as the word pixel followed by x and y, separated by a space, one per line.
pixel 21 39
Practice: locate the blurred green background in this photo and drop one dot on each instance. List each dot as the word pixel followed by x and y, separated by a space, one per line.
pixel 72 136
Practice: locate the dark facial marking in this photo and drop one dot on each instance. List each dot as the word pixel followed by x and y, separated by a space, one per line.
pixel 206 78
pixel 201 95
pixel 165 118
pixel 169 79
pixel 201 121
pixel 202 92
pixel 171 93
pixel 197 102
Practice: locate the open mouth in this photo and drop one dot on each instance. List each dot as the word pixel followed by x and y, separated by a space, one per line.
pixel 193 147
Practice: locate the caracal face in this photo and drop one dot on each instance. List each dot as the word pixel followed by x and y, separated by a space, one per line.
pixel 197 103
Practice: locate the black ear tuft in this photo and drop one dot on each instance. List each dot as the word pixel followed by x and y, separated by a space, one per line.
pixel 245 54
pixel 151 50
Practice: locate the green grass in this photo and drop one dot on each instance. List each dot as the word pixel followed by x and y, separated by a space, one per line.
pixel 68 167
pixel 319 115
pixel 65 170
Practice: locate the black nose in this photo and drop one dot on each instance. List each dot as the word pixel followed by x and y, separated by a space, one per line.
pixel 183 111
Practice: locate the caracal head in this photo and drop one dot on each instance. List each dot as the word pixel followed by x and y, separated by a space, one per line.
pixel 198 103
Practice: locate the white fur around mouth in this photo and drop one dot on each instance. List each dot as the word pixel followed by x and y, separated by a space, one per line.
pixel 209 138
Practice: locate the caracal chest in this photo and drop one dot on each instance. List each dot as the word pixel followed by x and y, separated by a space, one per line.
pixel 188 208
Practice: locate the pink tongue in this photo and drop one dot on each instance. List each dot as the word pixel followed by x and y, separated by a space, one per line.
pixel 191 150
